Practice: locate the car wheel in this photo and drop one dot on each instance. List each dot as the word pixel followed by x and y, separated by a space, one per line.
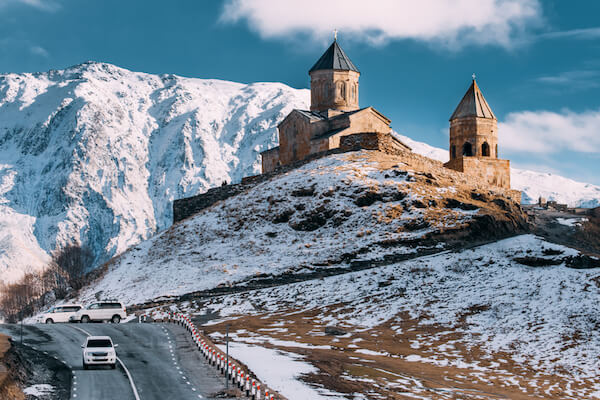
pixel 85 319
pixel 116 319
pixel 49 321
pixel 85 366
pixel 113 366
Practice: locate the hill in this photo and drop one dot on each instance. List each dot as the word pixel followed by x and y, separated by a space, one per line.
pixel 338 213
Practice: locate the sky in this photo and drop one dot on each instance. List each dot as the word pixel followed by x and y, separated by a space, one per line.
pixel 537 62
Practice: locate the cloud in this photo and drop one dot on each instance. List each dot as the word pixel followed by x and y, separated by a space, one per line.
pixel 551 132
pixel 39 51
pixel 45 5
pixel 579 79
pixel 452 23
pixel 587 33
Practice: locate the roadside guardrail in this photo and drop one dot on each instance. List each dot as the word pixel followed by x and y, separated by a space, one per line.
pixel 237 374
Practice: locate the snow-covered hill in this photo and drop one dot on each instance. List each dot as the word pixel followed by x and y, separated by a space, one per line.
pixel 96 153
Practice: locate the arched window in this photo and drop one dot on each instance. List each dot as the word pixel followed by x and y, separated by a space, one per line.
pixel 340 90
pixel 467 150
pixel 496 151
pixel 485 149
pixel 453 152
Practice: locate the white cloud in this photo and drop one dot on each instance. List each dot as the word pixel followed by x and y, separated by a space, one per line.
pixel 453 23
pixel 586 33
pixel 39 51
pixel 46 5
pixel 551 132
pixel 578 79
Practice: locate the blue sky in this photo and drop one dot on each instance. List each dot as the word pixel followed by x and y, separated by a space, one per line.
pixel 537 62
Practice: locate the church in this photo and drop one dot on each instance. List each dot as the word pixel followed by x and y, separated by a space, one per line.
pixel 335 117
pixel 334 113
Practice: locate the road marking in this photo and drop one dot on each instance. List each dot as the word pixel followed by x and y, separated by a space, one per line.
pixel 135 392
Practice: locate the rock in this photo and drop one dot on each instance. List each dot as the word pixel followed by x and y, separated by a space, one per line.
pixel 334 331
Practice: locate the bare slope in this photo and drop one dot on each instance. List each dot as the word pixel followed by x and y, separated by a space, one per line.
pixel 345 210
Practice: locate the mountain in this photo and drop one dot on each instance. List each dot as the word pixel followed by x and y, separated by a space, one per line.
pixel 96 154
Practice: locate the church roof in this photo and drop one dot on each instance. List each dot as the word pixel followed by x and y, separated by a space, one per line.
pixel 334 58
pixel 473 104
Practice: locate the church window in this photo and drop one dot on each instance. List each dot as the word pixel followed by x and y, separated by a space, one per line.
pixel 467 150
pixel 453 152
pixel 485 149
pixel 340 91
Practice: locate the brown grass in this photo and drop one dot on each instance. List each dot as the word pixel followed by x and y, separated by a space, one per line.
pixel 344 370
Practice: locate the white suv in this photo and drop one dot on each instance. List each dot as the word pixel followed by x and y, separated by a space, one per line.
pixel 60 313
pixel 101 311
pixel 99 350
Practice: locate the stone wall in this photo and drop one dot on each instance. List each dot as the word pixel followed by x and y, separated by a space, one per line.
pixel 270 159
pixel 493 171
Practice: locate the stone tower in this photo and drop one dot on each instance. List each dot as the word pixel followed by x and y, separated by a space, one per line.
pixel 334 82
pixel 474 140
pixel 473 127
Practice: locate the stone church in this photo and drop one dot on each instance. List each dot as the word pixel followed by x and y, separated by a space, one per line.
pixel 334 113
pixel 474 140
pixel 335 117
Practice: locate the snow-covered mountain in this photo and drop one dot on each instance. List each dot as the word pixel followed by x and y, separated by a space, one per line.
pixel 96 154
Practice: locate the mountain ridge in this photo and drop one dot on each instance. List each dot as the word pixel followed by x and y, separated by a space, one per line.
pixel 95 154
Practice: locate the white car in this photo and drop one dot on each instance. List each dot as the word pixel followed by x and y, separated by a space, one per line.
pixel 99 350
pixel 112 311
pixel 60 313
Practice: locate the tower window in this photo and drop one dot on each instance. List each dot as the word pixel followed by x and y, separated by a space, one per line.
pixel 485 149
pixel 341 90
pixel 467 150
pixel 496 151
pixel 453 152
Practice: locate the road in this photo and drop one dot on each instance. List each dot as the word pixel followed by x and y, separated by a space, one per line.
pixel 160 358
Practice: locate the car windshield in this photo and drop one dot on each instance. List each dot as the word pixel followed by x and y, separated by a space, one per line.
pixel 99 343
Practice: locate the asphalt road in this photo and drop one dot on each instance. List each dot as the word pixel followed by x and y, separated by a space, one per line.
pixel 161 359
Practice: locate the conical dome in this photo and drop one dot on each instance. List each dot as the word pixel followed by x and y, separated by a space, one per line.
pixel 473 104
pixel 334 58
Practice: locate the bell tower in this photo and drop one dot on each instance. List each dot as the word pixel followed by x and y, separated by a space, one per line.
pixel 474 140
pixel 334 81
pixel 473 127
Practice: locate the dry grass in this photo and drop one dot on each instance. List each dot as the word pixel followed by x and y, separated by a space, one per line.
pixel 387 374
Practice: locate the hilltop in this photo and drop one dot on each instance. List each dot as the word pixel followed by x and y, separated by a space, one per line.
pixel 341 212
